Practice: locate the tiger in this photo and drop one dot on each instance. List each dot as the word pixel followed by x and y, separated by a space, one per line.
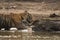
pixel 15 20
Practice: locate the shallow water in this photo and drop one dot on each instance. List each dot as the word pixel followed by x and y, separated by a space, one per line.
pixel 18 35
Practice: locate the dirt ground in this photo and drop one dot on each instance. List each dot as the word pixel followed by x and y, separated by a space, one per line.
pixel 31 7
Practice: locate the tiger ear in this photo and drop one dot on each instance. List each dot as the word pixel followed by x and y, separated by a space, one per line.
pixel 26 12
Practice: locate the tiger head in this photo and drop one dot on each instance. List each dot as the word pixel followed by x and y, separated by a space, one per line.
pixel 25 17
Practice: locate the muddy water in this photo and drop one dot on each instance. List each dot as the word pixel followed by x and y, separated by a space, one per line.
pixel 18 35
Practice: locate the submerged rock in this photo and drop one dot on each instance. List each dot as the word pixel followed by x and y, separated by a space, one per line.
pixel 46 26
